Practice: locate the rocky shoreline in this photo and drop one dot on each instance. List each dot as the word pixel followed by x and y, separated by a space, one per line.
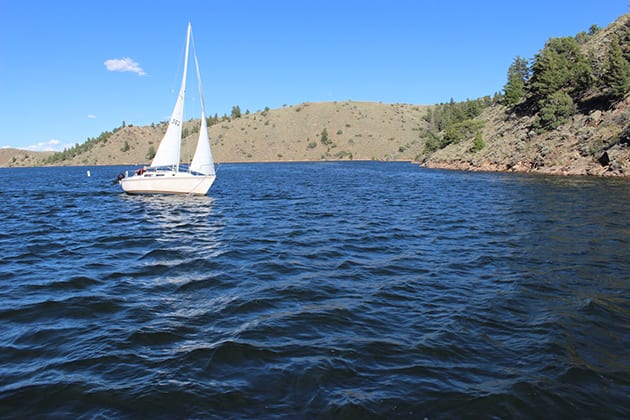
pixel 593 169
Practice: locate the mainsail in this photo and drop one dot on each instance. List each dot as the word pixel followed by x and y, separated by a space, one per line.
pixel 168 151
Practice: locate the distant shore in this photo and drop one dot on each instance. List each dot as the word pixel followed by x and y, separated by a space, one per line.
pixel 523 168
pixel 465 166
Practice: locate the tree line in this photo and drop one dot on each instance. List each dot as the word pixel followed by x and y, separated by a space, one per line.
pixel 70 152
pixel 563 79
pixel 453 122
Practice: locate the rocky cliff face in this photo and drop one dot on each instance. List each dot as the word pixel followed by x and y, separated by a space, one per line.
pixel 596 143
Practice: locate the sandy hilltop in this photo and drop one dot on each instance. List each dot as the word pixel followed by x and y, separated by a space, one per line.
pixel 594 139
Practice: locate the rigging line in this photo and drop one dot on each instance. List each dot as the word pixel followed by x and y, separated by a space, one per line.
pixel 194 51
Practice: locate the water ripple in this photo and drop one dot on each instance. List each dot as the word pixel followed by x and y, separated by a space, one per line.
pixel 315 290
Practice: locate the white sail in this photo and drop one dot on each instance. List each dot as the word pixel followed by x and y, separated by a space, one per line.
pixel 164 175
pixel 202 161
pixel 168 151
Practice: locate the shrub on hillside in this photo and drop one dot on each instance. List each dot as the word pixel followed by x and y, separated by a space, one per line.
pixel 555 112
pixel 478 143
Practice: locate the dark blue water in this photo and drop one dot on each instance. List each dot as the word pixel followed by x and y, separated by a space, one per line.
pixel 327 290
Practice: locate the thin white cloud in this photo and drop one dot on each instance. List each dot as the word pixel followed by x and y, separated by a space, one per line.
pixel 52 145
pixel 91 116
pixel 124 64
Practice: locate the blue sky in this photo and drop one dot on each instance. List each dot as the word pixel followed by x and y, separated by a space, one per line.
pixel 60 61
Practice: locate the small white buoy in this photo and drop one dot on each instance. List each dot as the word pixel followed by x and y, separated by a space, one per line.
pixel 88 173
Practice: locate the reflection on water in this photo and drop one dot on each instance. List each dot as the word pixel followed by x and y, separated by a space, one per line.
pixel 190 217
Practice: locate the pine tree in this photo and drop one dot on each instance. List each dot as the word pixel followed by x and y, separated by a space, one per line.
pixel 617 75
pixel 324 137
pixel 560 66
pixel 150 153
pixel 556 111
pixel 514 89
pixel 593 29
pixel 478 143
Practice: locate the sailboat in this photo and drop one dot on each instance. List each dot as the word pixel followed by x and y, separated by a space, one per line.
pixel 166 175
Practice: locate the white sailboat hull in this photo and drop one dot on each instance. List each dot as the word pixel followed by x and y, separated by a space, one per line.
pixel 167 182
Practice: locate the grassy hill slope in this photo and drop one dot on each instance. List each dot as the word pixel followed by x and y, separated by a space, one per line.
pixel 355 130
pixel 17 157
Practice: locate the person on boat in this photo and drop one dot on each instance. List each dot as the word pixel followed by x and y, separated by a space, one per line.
pixel 141 170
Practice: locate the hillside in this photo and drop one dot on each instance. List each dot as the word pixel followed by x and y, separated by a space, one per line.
pixel 365 131
pixel 575 121
pixel 355 130
pixel 578 147
pixel 18 157
pixel 594 139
